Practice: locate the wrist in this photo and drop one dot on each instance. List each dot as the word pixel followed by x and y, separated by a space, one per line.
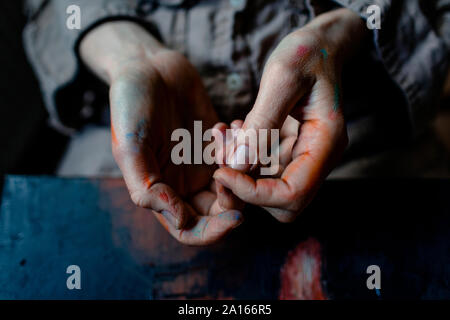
pixel 109 49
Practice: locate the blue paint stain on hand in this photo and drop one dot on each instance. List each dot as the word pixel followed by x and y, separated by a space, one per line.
pixel 324 53
pixel 199 228
pixel 235 216
pixel 139 136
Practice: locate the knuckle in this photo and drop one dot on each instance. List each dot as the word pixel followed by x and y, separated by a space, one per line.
pixel 176 204
pixel 293 197
pixel 139 199
pixel 260 117
pixel 280 68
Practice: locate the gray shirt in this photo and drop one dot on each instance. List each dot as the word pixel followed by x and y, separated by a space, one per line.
pixel 391 89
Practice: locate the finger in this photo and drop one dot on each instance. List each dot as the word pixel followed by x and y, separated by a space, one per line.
pixel 283 152
pixel 280 89
pixel 219 132
pixel 205 230
pixel 202 202
pixel 290 128
pixel 272 194
pixel 226 201
pixel 284 216
pixel 225 139
pixel 280 152
pixel 263 192
pixel 237 124
pixel 216 201
pixel 306 170
pixel 299 181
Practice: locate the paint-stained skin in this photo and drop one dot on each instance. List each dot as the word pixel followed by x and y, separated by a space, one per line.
pixel 324 53
pixel 163 196
pixel 236 216
pixel 148 182
pixel 137 137
pixel 199 228
pixel 336 86
pixel 302 51
pixel 113 136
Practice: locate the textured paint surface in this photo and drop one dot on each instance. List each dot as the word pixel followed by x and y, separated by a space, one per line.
pixel 301 274
pixel 124 253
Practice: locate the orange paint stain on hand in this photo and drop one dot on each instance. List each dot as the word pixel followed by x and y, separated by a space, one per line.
pixel 163 196
pixel 148 183
pixel 113 135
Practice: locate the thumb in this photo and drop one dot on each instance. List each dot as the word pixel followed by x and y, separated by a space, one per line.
pixel 143 179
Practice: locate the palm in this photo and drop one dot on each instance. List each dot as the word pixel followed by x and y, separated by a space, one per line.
pixel 188 103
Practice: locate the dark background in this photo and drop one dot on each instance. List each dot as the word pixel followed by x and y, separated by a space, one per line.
pixel 27 144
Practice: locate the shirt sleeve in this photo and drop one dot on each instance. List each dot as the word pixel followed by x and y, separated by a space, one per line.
pixel 52 49
pixel 443 20
pixel 412 44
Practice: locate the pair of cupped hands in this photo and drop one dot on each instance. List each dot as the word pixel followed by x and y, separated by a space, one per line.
pixel 155 90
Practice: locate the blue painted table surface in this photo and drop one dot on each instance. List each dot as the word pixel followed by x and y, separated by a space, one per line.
pixel 48 223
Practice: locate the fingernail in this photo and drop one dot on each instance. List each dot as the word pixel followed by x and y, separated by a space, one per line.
pixel 234 216
pixel 170 218
pixel 240 158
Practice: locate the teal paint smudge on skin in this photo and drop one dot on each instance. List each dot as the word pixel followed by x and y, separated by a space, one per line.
pixel 236 216
pixel 197 232
pixel 336 98
pixel 139 136
pixel 325 53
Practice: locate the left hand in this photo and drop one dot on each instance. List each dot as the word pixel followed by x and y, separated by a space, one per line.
pixel 300 93
pixel 153 91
